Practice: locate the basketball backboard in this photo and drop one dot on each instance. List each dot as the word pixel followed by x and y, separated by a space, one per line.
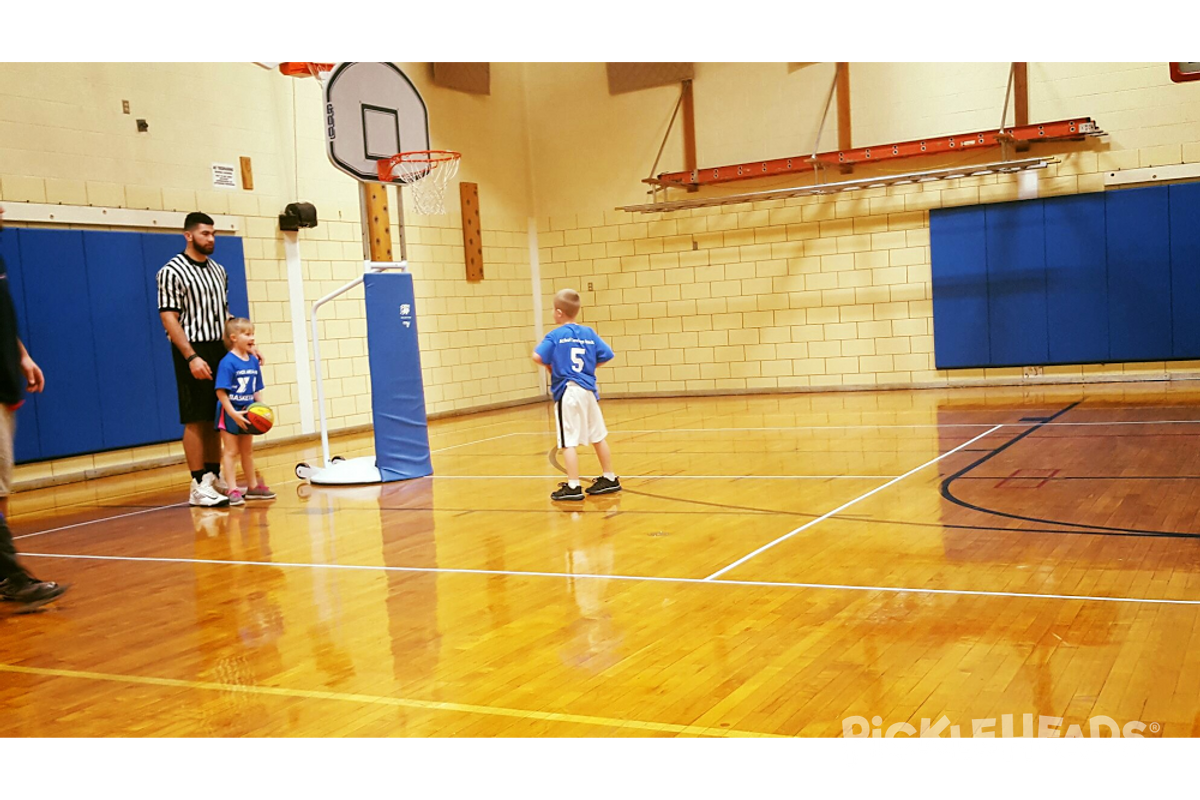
pixel 372 112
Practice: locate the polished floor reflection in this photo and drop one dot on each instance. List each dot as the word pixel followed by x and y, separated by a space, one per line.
pixel 776 565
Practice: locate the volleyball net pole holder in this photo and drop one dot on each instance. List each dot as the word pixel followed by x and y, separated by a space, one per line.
pixel 369 266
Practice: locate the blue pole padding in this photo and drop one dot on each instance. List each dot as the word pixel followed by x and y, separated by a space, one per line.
pixel 397 391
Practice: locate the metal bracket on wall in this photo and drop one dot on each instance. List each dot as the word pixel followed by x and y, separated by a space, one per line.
pixel 1167 172
pixel 108 217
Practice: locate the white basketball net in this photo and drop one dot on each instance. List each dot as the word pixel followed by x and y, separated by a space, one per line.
pixel 427 173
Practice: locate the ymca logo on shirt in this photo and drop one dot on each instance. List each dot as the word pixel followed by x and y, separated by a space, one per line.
pixel 244 391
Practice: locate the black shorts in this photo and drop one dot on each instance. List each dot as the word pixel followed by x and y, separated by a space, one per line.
pixel 197 398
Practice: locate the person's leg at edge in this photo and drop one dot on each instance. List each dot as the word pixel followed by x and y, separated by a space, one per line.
pixel 9 568
pixel 10 571
pixel 16 583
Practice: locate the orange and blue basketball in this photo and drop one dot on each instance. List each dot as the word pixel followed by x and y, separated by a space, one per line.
pixel 260 417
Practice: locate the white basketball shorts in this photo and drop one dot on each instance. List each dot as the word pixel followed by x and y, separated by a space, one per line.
pixel 579 419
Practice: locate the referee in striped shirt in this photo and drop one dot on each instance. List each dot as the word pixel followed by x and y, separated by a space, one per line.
pixel 193 302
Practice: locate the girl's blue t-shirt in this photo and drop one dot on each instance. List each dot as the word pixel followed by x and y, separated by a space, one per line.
pixel 240 378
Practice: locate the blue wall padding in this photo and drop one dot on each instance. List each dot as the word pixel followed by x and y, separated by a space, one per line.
pixel 1016 278
pixel 1139 274
pixel 64 342
pixel 960 287
pixel 1185 268
pixel 88 312
pixel 1076 278
pixel 397 389
pixel 118 296
pixel 1106 277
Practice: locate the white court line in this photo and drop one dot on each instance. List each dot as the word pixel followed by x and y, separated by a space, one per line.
pixel 676 477
pixel 94 521
pixel 926 425
pixel 795 428
pixel 477 441
pixel 634 578
pixel 844 506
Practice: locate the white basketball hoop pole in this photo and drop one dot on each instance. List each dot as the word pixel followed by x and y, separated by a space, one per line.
pixel 370 108
pixel 369 266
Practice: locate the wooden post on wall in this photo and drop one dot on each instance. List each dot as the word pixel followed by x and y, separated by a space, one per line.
pixel 1021 98
pixel 378 225
pixel 468 194
pixel 843 103
pixel 689 131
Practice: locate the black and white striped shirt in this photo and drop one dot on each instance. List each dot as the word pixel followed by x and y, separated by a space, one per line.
pixel 199 293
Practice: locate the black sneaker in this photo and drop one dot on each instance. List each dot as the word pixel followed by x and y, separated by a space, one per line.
pixel 33 596
pixel 8 589
pixel 565 492
pixel 603 485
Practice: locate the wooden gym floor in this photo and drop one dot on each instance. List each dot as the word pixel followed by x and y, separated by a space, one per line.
pixel 775 564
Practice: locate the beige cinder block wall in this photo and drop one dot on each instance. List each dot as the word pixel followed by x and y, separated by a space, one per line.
pixel 812 292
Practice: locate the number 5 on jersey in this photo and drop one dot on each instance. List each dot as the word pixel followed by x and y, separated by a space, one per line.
pixel 577 358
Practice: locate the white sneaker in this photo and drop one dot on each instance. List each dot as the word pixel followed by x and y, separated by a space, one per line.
pixel 218 484
pixel 203 493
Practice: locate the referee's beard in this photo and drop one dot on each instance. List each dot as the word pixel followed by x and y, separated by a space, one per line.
pixel 204 249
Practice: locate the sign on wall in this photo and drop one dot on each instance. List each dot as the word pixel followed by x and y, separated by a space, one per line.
pixel 223 176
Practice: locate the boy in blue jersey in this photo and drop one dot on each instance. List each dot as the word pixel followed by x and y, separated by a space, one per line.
pixel 571 353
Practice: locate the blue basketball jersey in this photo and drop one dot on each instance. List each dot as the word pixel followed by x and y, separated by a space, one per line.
pixel 573 351
pixel 241 379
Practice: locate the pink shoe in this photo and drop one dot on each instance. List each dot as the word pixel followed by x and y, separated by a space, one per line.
pixel 260 492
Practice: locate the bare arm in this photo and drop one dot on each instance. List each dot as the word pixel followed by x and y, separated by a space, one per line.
pixel 35 381
pixel 198 366
pixel 538 360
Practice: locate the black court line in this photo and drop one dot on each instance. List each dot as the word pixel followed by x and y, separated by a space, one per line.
pixel 1084 528
pixel 1084 477
pixel 745 511
pixel 727 510
pixel 1117 435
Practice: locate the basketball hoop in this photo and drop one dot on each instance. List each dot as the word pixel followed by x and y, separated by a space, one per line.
pixel 426 172
pixel 305 69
